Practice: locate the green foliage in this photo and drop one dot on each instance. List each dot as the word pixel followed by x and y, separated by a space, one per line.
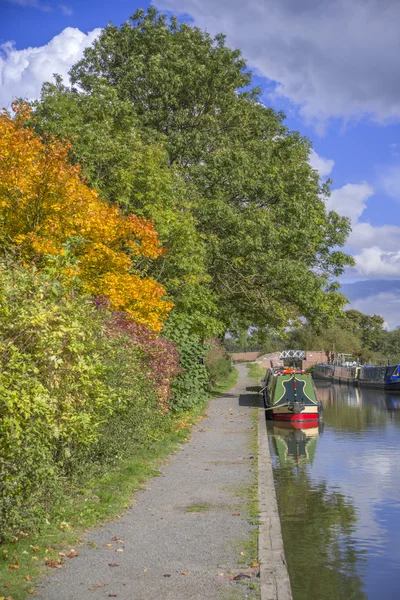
pixel 191 387
pixel 70 397
pixel 218 362
pixel 229 186
pixel 368 328
pixel 334 338
pixel 353 333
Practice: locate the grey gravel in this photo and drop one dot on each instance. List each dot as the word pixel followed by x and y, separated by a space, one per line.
pixel 163 536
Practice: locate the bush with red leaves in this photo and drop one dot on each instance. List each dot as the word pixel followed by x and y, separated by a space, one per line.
pixel 160 355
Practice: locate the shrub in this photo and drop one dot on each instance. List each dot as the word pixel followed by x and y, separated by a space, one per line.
pixel 218 362
pixel 159 355
pixel 191 387
pixel 72 398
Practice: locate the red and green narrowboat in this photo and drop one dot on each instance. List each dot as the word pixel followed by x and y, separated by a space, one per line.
pixel 289 395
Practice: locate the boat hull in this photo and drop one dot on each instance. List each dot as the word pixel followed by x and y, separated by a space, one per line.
pixel 300 418
pixel 309 414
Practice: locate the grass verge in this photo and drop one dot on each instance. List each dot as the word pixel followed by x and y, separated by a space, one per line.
pixel 255 370
pixel 198 508
pixel 247 548
pixel 226 384
pixel 26 559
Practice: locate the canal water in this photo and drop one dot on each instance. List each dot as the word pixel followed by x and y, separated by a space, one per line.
pixel 338 490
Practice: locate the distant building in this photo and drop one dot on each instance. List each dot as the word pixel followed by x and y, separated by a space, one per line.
pixel 312 357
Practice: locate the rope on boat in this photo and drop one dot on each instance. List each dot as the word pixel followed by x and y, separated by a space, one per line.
pixel 280 406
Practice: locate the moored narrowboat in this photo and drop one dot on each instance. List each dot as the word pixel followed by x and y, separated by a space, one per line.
pixel 373 377
pixel 289 395
pixel 392 378
pixel 347 375
pixel 323 371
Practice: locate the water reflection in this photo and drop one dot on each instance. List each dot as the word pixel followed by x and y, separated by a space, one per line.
pixel 294 445
pixel 392 402
pixel 338 490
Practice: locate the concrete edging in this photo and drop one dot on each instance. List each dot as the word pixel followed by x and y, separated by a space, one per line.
pixel 274 576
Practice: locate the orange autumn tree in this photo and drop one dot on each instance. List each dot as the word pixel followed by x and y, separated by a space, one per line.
pixel 44 202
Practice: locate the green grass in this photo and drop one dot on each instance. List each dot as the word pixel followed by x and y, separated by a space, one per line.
pixel 223 386
pixel 247 548
pixel 102 499
pixel 99 500
pixel 196 508
pixel 254 370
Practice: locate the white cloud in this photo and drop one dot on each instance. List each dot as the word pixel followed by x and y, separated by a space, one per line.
pixel 331 57
pixel 350 200
pixel 22 72
pixel 376 248
pixel 323 165
pixel 32 4
pixel 390 181
pixel 66 10
pixel 365 235
pixel 375 262
pixel 385 304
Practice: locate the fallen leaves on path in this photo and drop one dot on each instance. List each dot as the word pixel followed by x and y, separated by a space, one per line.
pixel 113 564
pixel 73 553
pixel 53 563
pixel 96 586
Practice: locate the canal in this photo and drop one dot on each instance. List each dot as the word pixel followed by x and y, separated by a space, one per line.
pixel 338 491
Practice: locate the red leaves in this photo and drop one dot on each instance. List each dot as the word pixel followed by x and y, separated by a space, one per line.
pixel 161 356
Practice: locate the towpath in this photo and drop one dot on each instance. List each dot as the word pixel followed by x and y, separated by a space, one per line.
pixel 182 539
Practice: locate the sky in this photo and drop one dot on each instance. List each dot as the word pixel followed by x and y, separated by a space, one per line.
pixel 330 65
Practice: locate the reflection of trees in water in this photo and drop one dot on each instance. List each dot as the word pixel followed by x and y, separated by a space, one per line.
pixel 353 409
pixel 317 527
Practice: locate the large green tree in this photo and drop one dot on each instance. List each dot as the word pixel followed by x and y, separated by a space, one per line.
pixel 130 168
pixel 269 246
pixel 368 327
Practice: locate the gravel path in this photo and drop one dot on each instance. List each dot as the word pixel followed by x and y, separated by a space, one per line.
pixel 183 536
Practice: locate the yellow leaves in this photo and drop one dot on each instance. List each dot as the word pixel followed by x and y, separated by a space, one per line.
pixel 44 202
pixel 140 298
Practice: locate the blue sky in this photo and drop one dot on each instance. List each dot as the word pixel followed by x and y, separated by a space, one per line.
pixel 331 65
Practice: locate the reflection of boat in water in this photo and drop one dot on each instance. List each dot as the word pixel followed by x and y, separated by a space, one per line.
pixel 392 402
pixel 330 393
pixel 293 445
pixel 289 395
